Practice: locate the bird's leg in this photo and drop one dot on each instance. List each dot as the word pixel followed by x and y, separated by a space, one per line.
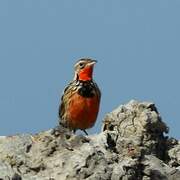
pixel 85 132
pixel 74 131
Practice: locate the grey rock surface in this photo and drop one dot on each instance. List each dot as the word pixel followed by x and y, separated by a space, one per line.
pixel 131 146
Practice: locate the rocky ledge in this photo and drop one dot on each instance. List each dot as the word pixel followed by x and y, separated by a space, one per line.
pixel 131 146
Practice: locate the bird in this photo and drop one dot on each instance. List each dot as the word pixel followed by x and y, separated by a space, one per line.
pixel 80 101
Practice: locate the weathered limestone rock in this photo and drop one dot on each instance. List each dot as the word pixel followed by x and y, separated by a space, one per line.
pixel 131 146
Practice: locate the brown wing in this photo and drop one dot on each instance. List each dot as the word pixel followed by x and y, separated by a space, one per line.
pixel 68 92
pixel 97 90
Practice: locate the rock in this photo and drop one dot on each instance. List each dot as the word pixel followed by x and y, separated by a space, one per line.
pixel 174 155
pixel 131 146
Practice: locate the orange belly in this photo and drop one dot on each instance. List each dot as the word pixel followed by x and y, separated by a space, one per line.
pixel 82 112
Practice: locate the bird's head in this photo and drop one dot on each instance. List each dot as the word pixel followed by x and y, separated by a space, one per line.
pixel 84 69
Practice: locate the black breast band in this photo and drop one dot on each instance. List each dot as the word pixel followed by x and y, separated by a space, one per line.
pixel 86 89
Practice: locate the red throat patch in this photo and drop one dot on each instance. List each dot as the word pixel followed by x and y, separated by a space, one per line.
pixel 86 73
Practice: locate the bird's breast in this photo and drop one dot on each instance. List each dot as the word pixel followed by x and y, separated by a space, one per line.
pixel 82 110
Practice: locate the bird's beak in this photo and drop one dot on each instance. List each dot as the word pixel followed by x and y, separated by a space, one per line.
pixel 92 63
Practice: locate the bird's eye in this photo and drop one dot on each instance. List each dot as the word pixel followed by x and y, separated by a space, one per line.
pixel 81 64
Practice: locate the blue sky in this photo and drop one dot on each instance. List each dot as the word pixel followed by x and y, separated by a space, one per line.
pixel 136 44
